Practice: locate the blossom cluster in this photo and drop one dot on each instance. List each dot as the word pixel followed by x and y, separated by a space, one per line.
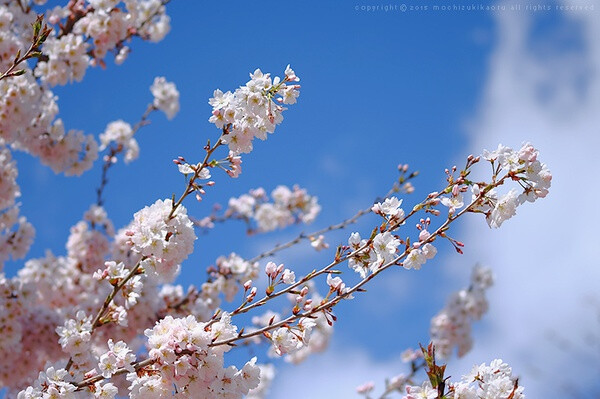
pixel 451 327
pixel 298 343
pixel 287 340
pixel 121 133
pixel 166 96
pixel 367 258
pixel 50 383
pixel 16 233
pixel 11 30
pixel 22 330
pixel 75 335
pixel 27 123
pixel 225 280
pixel 382 249
pixel 251 111
pixel 68 60
pixel 287 207
pixel 184 360
pixel 108 24
pixel 523 166
pixel 493 381
pixel 163 236
pixel 87 243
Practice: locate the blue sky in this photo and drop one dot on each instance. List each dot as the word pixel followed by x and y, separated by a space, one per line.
pixel 378 88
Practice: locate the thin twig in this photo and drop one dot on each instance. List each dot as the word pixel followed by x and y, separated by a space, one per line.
pixel 40 34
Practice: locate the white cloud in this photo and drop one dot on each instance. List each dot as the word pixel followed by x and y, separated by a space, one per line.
pixel 331 165
pixel 546 258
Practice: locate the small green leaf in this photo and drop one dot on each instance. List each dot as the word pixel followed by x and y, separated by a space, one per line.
pixel 37 26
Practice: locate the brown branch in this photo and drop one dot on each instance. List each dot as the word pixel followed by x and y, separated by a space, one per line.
pixel 329 304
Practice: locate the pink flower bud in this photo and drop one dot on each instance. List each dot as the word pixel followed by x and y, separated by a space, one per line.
pixel 365 388
pixel 271 269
